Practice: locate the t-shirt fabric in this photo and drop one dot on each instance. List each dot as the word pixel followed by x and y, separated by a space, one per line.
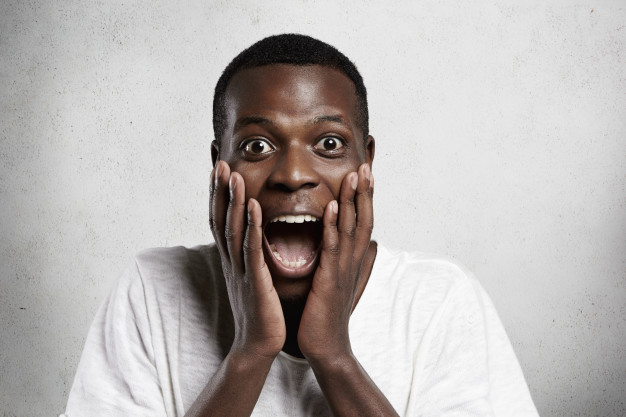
pixel 424 330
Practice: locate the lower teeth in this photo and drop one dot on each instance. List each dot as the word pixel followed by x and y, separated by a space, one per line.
pixel 288 264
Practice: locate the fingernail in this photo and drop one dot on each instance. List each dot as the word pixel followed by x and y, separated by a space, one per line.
pixel 353 181
pixel 366 171
pixel 334 207
pixel 232 184
pixel 371 182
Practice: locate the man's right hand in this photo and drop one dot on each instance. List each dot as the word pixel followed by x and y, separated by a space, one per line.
pixel 259 324
pixel 238 233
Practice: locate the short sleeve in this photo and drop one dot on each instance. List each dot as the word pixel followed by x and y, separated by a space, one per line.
pixel 116 375
pixel 508 394
pixel 472 369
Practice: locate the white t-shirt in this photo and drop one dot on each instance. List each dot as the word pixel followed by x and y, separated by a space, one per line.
pixel 424 330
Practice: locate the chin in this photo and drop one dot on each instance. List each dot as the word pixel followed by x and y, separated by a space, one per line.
pixel 291 288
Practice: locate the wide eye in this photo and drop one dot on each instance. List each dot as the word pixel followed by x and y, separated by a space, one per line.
pixel 258 147
pixel 329 143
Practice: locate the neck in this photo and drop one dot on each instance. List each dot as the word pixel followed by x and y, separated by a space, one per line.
pixel 292 311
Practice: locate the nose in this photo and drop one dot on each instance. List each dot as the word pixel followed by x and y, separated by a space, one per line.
pixel 294 170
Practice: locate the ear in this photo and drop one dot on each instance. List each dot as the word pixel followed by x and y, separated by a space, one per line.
pixel 215 152
pixel 370 148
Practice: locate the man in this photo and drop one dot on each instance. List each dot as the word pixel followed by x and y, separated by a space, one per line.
pixel 294 311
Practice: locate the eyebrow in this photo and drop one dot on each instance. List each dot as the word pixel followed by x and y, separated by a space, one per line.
pixel 329 118
pixel 251 120
pixel 259 120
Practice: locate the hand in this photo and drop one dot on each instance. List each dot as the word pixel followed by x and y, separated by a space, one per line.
pixel 323 332
pixel 259 322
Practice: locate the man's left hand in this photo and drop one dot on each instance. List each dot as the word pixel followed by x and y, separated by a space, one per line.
pixel 323 332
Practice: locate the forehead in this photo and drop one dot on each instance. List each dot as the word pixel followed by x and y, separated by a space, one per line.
pixel 289 91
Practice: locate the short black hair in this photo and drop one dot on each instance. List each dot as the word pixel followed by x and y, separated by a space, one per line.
pixel 292 49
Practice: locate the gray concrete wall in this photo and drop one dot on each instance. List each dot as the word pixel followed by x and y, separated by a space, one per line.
pixel 501 141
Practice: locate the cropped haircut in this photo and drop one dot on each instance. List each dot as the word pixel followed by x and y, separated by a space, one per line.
pixel 292 49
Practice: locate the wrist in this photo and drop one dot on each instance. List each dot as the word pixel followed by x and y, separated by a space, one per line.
pixel 327 350
pixel 333 364
pixel 265 349
pixel 244 361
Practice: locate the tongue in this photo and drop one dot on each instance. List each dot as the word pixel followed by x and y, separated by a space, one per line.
pixel 293 241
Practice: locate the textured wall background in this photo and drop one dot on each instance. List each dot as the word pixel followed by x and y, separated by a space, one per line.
pixel 501 141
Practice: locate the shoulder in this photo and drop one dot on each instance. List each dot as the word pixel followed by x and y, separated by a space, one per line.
pixel 177 257
pixel 419 286
pixel 163 264
pixel 165 273
pixel 439 291
pixel 426 272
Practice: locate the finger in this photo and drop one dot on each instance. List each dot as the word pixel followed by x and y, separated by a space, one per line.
pixel 327 268
pixel 253 258
pixel 235 229
pixel 346 224
pixel 219 203
pixel 211 197
pixel 211 189
pixel 364 212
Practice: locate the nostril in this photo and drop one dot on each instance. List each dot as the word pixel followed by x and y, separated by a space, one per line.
pixel 283 187
pixel 293 180
pixel 289 188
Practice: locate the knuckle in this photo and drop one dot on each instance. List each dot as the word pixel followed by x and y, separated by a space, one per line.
pixel 346 201
pixel 333 249
pixel 367 193
pixel 349 231
pixel 228 233
pixel 251 222
pixel 233 203
pixel 226 269
pixel 232 231
pixel 248 247
pixel 213 223
pixel 366 227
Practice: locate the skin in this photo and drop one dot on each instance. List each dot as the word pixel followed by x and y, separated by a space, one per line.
pixel 276 158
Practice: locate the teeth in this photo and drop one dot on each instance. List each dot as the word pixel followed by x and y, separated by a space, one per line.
pixel 291 218
pixel 288 264
pixel 300 218
pixel 293 264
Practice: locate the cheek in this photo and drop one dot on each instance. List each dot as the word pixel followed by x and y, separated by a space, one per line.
pixel 334 178
pixel 253 178
pixel 253 186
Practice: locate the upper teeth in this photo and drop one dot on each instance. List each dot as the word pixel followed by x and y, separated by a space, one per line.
pixel 300 218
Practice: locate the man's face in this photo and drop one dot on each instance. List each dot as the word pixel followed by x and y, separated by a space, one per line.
pixel 291 133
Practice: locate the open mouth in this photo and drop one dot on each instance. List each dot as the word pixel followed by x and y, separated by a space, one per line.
pixel 294 240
